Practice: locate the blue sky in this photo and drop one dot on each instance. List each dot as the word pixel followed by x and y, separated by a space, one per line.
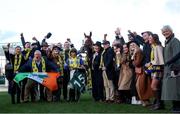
pixel 71 18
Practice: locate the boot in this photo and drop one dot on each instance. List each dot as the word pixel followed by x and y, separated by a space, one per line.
pixel 127 97
pixel 159 104
pixel 176 107
pixel 71 95
pixel 77 95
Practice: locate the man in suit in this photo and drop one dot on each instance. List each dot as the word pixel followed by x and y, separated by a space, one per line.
pixel 108 70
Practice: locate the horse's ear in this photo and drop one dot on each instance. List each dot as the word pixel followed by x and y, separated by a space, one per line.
pixel 85 35
pixel 90 34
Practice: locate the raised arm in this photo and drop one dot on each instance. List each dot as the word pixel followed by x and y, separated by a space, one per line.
pixel 22 40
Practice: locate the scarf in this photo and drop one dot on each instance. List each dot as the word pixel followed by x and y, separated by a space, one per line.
pixel 34 66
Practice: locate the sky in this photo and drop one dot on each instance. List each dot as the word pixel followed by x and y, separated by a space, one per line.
pixel 71 18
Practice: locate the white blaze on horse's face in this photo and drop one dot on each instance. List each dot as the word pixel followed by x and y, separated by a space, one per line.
pixel 86 38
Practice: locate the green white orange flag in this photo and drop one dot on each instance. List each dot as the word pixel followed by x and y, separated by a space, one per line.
pixel 49 79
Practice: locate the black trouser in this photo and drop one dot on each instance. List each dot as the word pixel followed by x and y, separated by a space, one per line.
pixel 42 94
pixel 74 95
pixel 125 96
pixel 97 85
pixel 176 105
pixel 14 89
pixel 133 86
pixel 23 83
pixel 57 93
pixel 116 78
pixel 65 83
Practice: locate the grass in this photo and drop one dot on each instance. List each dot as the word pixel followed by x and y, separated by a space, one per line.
pixel 86 105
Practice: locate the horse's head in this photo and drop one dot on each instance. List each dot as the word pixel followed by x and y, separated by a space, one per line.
pixel 88 41
pixel 88 46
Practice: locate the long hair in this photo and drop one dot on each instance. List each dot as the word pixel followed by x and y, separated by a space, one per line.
pixel 156 39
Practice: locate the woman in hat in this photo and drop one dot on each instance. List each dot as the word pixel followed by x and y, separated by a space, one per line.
pixel 97 79
pixel 141 82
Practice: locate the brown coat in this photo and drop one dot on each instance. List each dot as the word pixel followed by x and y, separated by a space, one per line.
pixel 125 74
pixel 143 83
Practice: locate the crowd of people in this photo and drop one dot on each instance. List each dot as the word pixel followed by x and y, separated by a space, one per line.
pixel 133 72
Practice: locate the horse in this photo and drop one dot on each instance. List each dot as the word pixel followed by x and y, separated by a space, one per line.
pixel 87 52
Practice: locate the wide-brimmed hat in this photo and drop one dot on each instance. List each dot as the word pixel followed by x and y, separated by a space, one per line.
pixel 128 44
pixel 97 44
pixel 56 47
pixel 148 32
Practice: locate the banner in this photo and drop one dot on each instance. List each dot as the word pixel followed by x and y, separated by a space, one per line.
pixel 49 79
pixel 78 80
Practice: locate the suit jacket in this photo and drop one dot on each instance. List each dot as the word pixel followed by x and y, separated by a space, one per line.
pixel 11 57
pixel 96 61
pixel 108 57
pixel 147 53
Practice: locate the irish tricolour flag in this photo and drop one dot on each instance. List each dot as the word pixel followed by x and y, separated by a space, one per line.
pixel 49 80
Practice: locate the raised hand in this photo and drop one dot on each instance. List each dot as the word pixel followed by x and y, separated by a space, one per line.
pixel 129 31
pixel 105 36
pixel 118 31
pixel 21 35
pixel 34 38
pixel 8 45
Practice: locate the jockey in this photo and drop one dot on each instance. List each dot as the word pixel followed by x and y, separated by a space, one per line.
pixel 73 63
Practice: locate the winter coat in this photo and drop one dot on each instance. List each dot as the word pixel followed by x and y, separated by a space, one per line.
pixel 171 85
